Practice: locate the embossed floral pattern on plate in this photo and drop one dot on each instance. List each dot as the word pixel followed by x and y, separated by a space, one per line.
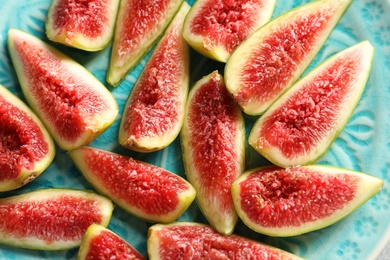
pixel 364 145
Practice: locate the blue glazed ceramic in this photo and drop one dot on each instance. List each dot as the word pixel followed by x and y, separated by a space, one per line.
pixel 364 145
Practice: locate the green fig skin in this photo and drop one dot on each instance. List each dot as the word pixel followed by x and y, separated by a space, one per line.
pixel 213 148
pixel 101 243
pixel 190 240
pixel 326 97
pixel 273 57
pixel 37 150
pixel 76 107
pixel 283 202
pixel 144 190
pixel 51 219
pixel 151 124
pixel 217 39
pixel 85 27
pixel 130 43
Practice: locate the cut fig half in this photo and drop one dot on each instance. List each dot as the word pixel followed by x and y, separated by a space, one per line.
pixel 291 201
pixel 138 26
pixel 272 58
pixel 51 219
pixel 74 106
pixel 26 147
pixel 85 25
pixel 213 145
pixel 303 123
pixel 216 28
pixel 101 243
pixel 189 240
pixel 154 112
pixel 144 190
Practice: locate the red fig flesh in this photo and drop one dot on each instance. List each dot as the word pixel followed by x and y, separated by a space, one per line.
pixel 154 112
pixel 272 58
pixel 26 148
pixel 101 243
pixel 138 26
pixel 70 101
pixel 51 219
pixel 86 25
pixel 143 189
pixel 213 141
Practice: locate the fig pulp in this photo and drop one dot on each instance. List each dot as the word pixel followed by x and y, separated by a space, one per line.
pixel 74 106
pixel 26 148
pixel 51 219
pixel 153 114
pixel 101 243
pixel 290 201
pixel 301 125
pixel 216 28
pixel 272 58
pixel 144 190
pixel 213 144
pixel 86 25
pixel 138 26
pixel 186 240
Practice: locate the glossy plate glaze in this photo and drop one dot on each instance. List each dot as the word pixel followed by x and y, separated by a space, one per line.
pixel 364 145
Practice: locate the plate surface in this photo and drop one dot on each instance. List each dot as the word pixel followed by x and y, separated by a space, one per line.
pixel 364 145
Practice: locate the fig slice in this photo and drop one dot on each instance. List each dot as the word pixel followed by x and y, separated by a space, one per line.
pixel 101 243
pixel 190 240
pixel 51 219
pixel 74 106
pixel 154 112
pixel 272 58
pixel 216 28
pixel 144 190
pixel 302 124
pixel 291 201
pixel 213 145
pixel 139 25
pixel 26 147
pixel 85 25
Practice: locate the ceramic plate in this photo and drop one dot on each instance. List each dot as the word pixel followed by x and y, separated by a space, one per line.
pixel 364 145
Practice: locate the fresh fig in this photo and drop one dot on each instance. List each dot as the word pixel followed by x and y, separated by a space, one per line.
pixel 291 201
pixel 51 219
pixel 154 112
pixel 301 125
pixel 144 190
pixel 74 105
pixel 213 142
pixel 216 28
pixel 272 58
pixel 85 25
pixel 26 148
pixel 138 26
pixel 187 240
pixel 101 243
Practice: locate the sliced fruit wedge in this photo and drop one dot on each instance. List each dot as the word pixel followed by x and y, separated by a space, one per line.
pixel 189 240
pixel 26 147
pixel 138 26
pixel 85 25
pixel 74 106
pixel 213 144
pixel 154 112
pixel 216 28
pixel 302 124
pixel 51 219
pixel 144 190
pixel 272 58
pixel 287 202
pixel 101 243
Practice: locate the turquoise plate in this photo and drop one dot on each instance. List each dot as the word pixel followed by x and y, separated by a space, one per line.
pixel 364 145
